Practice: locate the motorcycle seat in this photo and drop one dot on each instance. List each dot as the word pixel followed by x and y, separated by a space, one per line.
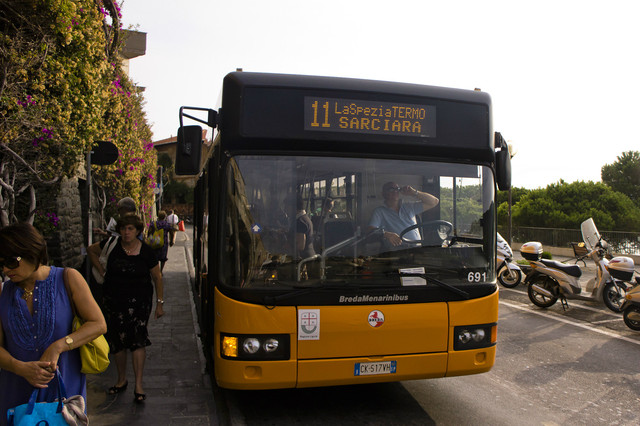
pixel 573 270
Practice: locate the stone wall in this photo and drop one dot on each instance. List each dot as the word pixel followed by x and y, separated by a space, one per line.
pixel 66 247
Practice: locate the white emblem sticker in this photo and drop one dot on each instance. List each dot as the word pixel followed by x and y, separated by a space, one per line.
pixel 308 324
pixel 376 318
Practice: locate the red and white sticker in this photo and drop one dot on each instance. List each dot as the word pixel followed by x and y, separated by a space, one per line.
pixel 309 324
pixel 376 318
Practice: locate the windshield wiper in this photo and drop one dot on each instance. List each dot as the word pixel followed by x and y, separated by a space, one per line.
pixel 439 283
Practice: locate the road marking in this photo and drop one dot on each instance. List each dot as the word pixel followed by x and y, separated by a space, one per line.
pixel 603 321
pixel 566 321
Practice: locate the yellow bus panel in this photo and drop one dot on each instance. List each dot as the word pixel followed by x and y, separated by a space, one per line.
pixel 417 339
pixel 233 316
pixel 476 311
pixel 248 375
pixel 332 372
pixel 472 361
pixel 372 330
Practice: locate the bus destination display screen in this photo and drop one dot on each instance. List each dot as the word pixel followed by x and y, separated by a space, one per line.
pixel 360 116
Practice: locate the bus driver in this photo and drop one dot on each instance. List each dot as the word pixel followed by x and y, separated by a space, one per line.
pixel 395 216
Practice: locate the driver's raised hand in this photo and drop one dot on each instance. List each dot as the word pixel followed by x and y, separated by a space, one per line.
pixel 407 190
pixel 393 238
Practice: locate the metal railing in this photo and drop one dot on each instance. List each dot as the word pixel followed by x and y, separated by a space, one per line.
pixel 620 242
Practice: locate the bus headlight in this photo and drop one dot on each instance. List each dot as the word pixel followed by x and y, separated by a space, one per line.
pixel 474 336
pixel 255 347
pixel 251 345
pixel 270 345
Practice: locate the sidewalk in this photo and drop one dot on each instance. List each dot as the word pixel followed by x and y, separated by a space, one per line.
pixel 178 389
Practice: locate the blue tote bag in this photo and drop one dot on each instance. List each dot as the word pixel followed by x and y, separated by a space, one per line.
pixel 46 413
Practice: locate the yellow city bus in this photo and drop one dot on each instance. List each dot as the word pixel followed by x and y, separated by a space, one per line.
pixel 297 284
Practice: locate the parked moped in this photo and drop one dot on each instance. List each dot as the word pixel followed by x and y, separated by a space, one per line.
pixel 631 305
pixel 509 273
pixel 549 280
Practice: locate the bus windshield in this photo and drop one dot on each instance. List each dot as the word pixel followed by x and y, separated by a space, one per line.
pixel 306 221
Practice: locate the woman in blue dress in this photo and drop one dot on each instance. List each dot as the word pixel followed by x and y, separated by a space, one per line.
pixel 35 321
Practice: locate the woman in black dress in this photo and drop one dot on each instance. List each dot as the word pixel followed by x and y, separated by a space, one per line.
pixel 131 272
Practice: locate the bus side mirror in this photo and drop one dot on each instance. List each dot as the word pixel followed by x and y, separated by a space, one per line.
pixel 503 169
pixel 503 162
pixel 189 150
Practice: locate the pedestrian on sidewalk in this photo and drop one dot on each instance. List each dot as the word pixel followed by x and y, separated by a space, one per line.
pixel 125 206
pixel 36 336
pixel 132 272
pixel 161 223
pixel 173 220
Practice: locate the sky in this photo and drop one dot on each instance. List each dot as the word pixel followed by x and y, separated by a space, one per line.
pixel 562 74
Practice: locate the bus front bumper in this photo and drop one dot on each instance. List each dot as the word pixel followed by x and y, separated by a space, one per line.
pixel 247 375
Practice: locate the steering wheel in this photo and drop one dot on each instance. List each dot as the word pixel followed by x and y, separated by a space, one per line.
pixel 433 232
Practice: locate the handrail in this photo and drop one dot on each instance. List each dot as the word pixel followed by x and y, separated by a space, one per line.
pixel 327 251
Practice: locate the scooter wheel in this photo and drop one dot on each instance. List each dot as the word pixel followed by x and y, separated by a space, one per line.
pixel 506 279
pixel 613 296
pixel 539 299
pixel 632 324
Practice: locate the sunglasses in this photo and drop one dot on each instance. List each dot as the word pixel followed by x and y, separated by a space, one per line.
pixel 393 189
pixel 10 263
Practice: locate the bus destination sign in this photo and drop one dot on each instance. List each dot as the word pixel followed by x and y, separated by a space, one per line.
pixel 359 116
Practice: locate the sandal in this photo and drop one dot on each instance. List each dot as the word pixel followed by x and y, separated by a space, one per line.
pixel 117 389
pixel 139 397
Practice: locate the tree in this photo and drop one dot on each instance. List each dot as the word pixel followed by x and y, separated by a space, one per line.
pixel 516 194
pixel 624 175
pixel 567 205
pixel 502 202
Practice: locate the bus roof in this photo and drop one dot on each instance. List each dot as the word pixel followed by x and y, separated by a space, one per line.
pixel 358 85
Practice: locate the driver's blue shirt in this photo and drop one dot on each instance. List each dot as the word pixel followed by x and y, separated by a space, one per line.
pixel 392 221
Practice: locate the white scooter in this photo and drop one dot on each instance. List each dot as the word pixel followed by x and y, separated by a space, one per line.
pixel 550 280
pixel 509 273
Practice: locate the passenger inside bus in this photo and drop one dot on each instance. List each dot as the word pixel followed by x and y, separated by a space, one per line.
pixel 325 213
pixel 304 231
pixel 319 220
pixel 395 215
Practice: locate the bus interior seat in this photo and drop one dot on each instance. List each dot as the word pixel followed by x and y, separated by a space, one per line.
pixel 338 230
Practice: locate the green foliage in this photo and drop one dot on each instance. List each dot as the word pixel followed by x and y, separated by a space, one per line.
pixel 566 205
pixel 516 195
pixel 624 175
pixel 124 123
pixel 502 202
pixel 166 162
pixel 178 192
pixel 468 205
pixel 54 98
pixel 63 90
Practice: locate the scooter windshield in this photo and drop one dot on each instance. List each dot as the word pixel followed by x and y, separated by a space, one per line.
pixel 590 234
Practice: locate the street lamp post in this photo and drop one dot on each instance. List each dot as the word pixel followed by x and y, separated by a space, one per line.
pixel 101 154
pixel 512 153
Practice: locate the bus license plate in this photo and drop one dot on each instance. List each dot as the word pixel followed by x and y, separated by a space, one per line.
pixel 368 368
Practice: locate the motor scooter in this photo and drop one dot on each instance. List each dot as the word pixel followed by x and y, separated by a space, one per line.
pixel 549 280
pixel 509 273
pixel 631 305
